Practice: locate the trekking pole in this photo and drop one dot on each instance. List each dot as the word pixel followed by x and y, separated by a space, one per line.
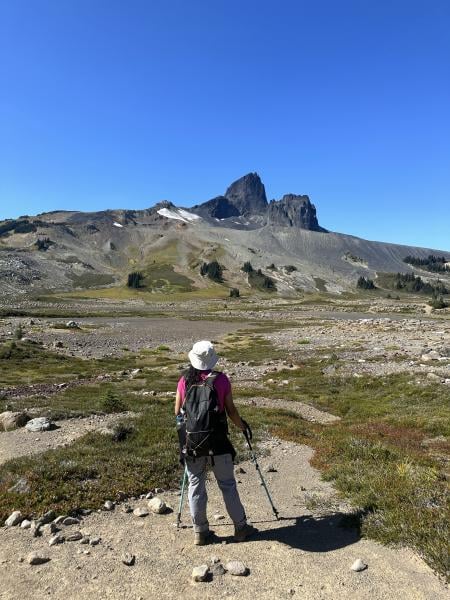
pixel 183 487
pixel 248 436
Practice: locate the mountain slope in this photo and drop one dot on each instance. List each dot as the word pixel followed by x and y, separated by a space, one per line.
pixel 65 250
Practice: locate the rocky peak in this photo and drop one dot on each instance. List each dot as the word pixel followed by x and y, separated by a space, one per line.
pixel 293 211
pixel 248 195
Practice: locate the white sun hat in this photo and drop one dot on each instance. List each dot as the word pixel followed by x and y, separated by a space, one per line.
pixel 203 356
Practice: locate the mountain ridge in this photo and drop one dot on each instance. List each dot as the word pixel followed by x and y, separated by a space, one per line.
pixel 100 248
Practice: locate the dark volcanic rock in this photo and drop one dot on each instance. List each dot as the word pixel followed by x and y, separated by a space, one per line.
pixel 294 211
pixel 218 208
pixel 248 195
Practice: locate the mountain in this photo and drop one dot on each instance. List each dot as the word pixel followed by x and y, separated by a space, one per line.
pixel 62 250
pixel 245 204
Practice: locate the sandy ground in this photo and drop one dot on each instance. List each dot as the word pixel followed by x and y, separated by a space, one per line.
pixel 306 555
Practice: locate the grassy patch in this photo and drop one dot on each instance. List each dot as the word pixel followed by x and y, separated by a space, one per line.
pixel 91 280
pixel 248 348
pixel 95 468
pixel 22 363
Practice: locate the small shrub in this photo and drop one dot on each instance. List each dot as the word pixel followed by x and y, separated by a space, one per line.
pixel 437 302
pixel 234 293
pixel 121 431
pixel 18 333
pixel 290 268
pixel 247 267
pixel 272 267
pixel 112 403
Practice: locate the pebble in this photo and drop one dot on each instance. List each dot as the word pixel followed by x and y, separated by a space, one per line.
pixel 149 496
pixel 217 569
pixel 47 517
pixel 219 517
pixel 240 470
pixel 358 565
pixel 71 521
pixel 59 519
pixel 140 512
pixel 94 541
pixel 74 537
pixel 56 539
pixel 108 505
pixel 128 559
pixel 200 573
pixel 84 540
pixel 127 508
pixel 236 567
pixel 157 506
pixel 49 528
pixel 36 559
pixel 271 469
pixel 14 519
pixel 26 524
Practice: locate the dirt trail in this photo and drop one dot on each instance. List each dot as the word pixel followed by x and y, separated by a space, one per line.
pixel 307 412
pixel 21 442
pixel 304 555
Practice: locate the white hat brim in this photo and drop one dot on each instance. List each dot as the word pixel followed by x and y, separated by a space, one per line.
pixel 201 365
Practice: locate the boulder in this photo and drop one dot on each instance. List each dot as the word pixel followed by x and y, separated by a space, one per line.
pixel 36 559
pixel 14 519
pixel 39 424
pixel 200 573
pixel 236 567
pixel 13 420
pixel 158 506
pixel 140 512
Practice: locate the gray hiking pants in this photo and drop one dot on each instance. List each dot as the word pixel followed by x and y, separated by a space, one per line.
pixel 223 470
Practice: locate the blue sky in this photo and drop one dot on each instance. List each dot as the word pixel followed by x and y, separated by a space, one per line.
pixel 113 104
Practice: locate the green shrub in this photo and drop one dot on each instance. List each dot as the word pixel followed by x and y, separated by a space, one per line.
pixel 112 403
pixel 213 270
pixel 438 302
pixel 247 267
pixel 290 268
pixel 135 279
pixel 122 431
pixel 234 293
pixel 364 283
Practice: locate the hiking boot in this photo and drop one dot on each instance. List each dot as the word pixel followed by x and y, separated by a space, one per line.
pixel 201 538
pixel 240 535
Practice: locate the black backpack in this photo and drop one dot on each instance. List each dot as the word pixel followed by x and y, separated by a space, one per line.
pixel 206 426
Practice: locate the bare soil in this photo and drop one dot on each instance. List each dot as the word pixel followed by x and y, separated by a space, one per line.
pixel 306 554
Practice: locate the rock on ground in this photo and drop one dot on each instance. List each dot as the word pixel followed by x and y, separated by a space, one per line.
pixel 200 573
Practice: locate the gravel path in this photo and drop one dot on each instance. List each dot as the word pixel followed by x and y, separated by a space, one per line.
pixel 307 412
pixel 306 554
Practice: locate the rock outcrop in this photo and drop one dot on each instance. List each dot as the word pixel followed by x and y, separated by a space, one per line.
pixel 248 195
pixel 294 211
pixel 217 208
pixel 246 198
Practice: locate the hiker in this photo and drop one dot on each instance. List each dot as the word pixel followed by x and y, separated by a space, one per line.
pixel 204 399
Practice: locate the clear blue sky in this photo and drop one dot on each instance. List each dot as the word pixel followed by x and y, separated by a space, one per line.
pixel 119 104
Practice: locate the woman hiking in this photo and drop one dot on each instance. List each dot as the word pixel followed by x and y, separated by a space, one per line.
pixel 203 400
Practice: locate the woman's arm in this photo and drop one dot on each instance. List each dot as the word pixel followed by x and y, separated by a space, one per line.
pixel 232 411
pixel 177 403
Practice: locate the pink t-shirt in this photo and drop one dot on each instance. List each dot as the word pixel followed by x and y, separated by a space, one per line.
pixel 222 386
